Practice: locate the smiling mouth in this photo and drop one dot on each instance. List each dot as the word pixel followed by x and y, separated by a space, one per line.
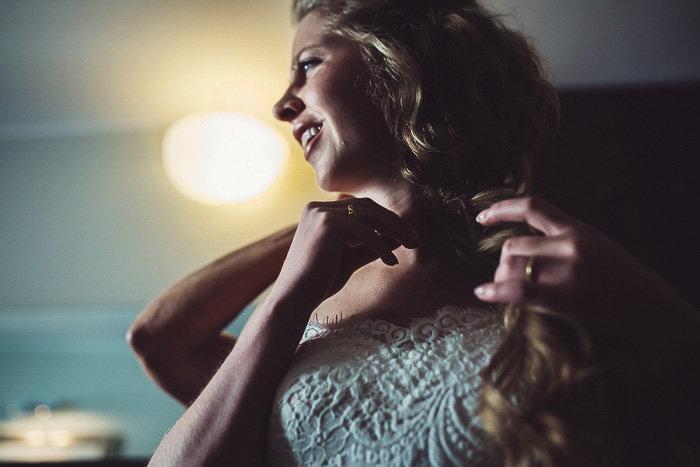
pixel 308 135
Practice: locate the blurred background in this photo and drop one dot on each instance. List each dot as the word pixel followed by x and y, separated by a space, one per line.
pixel 91 228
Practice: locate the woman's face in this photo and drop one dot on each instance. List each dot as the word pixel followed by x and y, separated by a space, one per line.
pixel 343 134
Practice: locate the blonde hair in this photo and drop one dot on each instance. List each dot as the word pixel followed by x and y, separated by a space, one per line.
pixel 464 96
pixel 468 103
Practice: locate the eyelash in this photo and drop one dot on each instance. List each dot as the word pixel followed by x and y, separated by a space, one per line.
pixel 305 65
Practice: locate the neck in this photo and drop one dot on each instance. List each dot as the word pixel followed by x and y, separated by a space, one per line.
pixel 398 196
pixel 426 268
pixel 402 198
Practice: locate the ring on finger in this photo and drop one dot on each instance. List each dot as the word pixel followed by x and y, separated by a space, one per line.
pixel 529 268
pixel 352 212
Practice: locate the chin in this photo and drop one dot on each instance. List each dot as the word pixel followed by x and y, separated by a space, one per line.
pixel 326 180
pixel 338 178
pixel 326 185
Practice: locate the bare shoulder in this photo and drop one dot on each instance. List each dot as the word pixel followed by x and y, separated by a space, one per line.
pixel 398 294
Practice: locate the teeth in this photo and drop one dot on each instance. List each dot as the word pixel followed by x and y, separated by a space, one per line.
pixel 308 134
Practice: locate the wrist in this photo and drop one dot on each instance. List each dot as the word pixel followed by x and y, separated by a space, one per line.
pixel 288 304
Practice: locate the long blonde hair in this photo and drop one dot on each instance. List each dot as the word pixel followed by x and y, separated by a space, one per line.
pixel 468 103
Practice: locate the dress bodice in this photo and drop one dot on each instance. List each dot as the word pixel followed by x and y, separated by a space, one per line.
pixel 374 393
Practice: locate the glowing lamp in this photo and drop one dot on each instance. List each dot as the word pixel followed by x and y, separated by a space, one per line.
pixel 223 157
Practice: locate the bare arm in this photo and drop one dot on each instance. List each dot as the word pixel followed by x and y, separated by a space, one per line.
pixel 227 423
pixel 178 337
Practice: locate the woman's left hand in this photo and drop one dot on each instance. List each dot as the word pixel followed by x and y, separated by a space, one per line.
pixel 574 269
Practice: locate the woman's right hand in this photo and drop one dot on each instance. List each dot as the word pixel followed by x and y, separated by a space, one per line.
pixel 229 418
pixel 330 245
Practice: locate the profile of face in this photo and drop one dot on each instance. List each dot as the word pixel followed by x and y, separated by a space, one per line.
pixel 343 134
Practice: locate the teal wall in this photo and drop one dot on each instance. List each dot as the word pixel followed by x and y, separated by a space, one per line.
pixel 90 231
pixel 77 356
pixel 93 219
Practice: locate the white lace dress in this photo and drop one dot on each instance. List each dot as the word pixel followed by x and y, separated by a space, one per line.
pixel 378 394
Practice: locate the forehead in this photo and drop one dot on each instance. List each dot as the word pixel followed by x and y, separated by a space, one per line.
pixel 311 31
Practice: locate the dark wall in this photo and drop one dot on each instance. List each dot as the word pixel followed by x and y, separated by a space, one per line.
pixel 627 162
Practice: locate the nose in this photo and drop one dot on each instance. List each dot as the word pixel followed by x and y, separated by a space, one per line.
pixel 288 107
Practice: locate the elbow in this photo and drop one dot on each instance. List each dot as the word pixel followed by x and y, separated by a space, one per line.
pixel 145 346
pixel 143 339
pixel 137 339
pixel 142 336
pixel 150 339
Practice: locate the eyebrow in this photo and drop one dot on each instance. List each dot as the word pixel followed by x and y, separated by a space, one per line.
pixel 295 60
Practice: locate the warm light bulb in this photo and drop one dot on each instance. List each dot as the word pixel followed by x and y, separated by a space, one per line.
pixel 223 157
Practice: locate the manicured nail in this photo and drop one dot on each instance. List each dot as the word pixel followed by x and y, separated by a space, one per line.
pixel 483 292
pixel 481 217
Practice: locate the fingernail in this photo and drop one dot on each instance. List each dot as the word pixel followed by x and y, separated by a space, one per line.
pixel 482 292
pixel 481 217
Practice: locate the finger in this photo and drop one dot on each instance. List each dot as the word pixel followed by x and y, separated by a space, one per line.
pixel 527 293
pixel 379 218
pixel 333 217
pixel 534 211
pixel 358 235
pixel 513 268
pixel 543 269
pixel 562 246
pixel 361 255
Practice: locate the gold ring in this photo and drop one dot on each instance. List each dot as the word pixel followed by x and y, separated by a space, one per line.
pixel 528 268
pixel 352 212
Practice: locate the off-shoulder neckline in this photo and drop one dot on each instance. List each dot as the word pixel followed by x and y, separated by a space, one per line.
pixel 443 320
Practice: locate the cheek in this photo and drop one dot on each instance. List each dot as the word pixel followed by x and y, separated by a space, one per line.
pixel 363 111
pixel 345 101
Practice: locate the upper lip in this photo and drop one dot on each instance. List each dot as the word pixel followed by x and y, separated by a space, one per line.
pixel 300 128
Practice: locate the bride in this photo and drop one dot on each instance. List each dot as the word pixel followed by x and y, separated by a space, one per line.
pixel 385 338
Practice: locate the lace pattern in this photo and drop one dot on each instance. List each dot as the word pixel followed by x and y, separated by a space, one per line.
pixel 379 394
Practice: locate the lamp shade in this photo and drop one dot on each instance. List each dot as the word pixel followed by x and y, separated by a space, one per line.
pixel 223 157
